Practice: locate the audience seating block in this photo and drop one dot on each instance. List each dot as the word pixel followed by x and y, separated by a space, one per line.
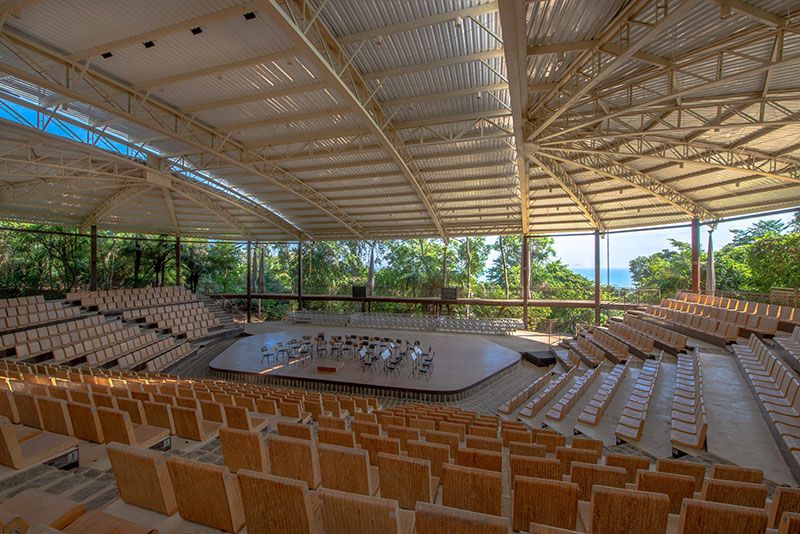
pixel 142 478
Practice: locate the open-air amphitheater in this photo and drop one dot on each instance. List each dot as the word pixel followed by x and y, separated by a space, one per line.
pixel 298 121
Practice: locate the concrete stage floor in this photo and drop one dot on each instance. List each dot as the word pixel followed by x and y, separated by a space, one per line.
pixel 462 360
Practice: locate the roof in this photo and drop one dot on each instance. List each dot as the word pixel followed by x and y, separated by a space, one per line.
pixel 364 119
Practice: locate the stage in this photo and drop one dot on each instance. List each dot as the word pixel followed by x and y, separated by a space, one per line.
pixel 463 363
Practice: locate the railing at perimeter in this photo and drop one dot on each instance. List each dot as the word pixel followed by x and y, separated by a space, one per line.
pixel 396 321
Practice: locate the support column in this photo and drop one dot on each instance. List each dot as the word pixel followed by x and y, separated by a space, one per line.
pixel 93 273
pixel 178 280
pixel 299 275
pixel 597 277
pixel 695 256
pixel 526 278
pixel 444 264
pixel 249 284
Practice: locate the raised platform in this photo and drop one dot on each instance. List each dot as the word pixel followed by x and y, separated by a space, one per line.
pixel 463 364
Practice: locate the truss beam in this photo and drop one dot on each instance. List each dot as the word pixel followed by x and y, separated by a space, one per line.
pixel 114 201
pixel 570 187
pixel 432 65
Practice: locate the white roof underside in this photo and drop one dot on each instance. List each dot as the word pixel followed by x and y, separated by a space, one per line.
pixel 341 134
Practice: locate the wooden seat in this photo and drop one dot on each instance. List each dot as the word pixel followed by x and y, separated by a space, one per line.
pixel 445 438
pixel 406 480
pixel 375 515
pixel 586 476
pixel 679 467
pixel 378 444
pixel 134 409
pixel 347 469
pixel 676 487
pixel 296 430
pixel 548 502
pixel 785 499
pixel 510 434
pixel 550 441
pixel 402 433
pixel 85 422
pixel 206 494
pixel 589 444
pixel 239 417
pixel 435 519
pixel 789 524
pixel 630 463
pixel 117 426
pixel 363 428
pixel 142 478
pixel 55 416
pixel 737 474
pixel 527 449
pixel 160 415
pixel 37 506
pixel 632 512
pixel 567 455
pixel 190 425
pixel 735 493
pixel 294 458
pixel 483 443
pixel 333 436
pixel 472 489
pixel 37 448
pixel 277 505
pixel 97 521
pixel 28 409
pixel 338 423
pixel 534 467
pixel 437 454
pixel 243 449
pixel 717 518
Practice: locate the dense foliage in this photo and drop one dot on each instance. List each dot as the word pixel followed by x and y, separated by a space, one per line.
pixel 766 254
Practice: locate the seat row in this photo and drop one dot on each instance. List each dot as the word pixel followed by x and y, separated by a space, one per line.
pixel 721 330
pixel 561 408
pixel 688 422
pixel 777 388
pixel 669 339
pixel 38 341
pixel 21 301
pixel 753 321
pixel 641 342
pixel 160 347
pixel 121 299
pixel 519 399
pixel 602 397
pixel 783 313
pixel 588 352
pixel 791 344
pixel 631 422
pixel 9 341
pixel 34 314
pixel 616 350
pixel 548 393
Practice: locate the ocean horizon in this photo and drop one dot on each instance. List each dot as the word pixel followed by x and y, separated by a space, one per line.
pixel 620 276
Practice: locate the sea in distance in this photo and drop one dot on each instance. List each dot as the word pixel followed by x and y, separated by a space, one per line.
pixel 620 276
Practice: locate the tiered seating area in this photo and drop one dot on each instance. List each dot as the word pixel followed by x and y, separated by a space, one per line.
pixel 597 406
pixel 633 338
pixel 548 393
pixel 689 425
pixel 776 387
pixel 520 398
pixel 25 312
pixel 571 397
pixel 191 320
pixel 791 345
pixel 631 422
pixel 397 321
pixel 663 338
pixel 126 299
pixel 588 352
pixel 615 350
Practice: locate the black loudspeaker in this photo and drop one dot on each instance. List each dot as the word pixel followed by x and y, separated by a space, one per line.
pixel 360 292
pixel 449 293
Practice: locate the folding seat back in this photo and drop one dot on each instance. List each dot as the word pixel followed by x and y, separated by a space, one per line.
pixel 403 434
pixel 160 415
pixel 338 423
pixel 55 416
pixel 435 519
pixel 568 455
pixel 116 426
pixel 28 409
pixel 676 487
pixel 237 417
pixel 586 476
pixel 535 467
pixel 453 428
pixel 437 454
pixel 472 489
pixel 134 409
pixel 423 425
pixel 485 444
pixel 551 441
pixel 480 459
pixel 267 406
pixel 513 434
pixel 363 428
pixel 142 478
pixel 291 409
pixel 789 523
pixel 85 422
pixel 785 499
pixel 294 458
pixel 548 502
pixel 406 480
pixel 527 449
pixel 679 467
pixel 377 444
pixel 346 469
pixel 295 430
pixel 445 438
pixel 735 493
pixel 213 411
pixel 184 402
pixel 630 463
pixel 590 444
pixel 243 449
pixel 718 518
pixel 375 515
pixel 276 505
pixel 737 474
pixel 206 494
pixel 366 417
pixel 483 432
pixel 632 512
pixel 8 407
pixel 104 401
pixel 333 436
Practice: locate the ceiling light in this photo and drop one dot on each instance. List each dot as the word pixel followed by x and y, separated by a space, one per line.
pixel 249 15
pixel 479 96
pixel 219 75
pixel 379 40
pixel 738 183
pixel 196 31
pixel 459 20
pixel 716 129
pixel 290 61
pixel 106 55
pixel 724 12
pixel 680 164
pixel 148 44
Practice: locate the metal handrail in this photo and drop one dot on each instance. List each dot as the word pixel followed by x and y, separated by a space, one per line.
pixel 227 306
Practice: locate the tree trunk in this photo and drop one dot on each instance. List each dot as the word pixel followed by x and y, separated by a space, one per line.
pixel 310 251
pixel 371 272
pixel 137 263
pixel 505 265
pixel 469 274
